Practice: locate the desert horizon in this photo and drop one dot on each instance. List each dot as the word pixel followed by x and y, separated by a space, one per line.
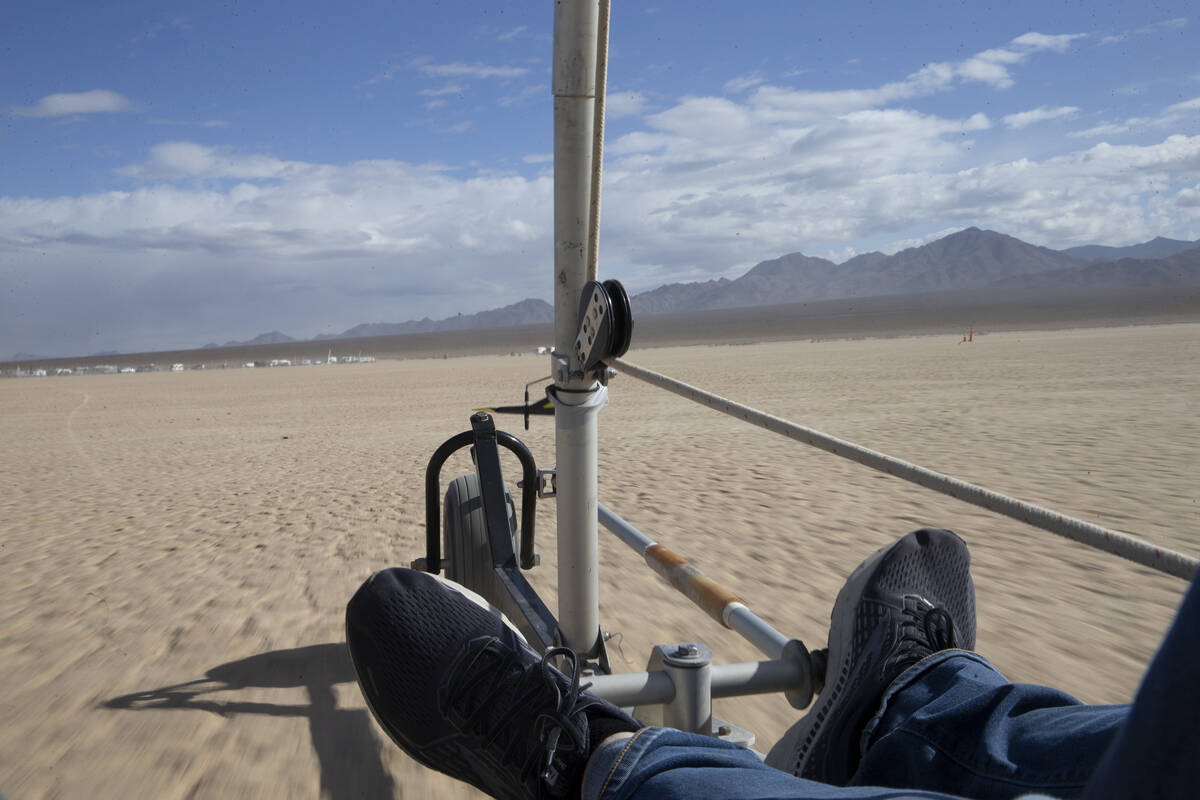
pixel 927 313
pixel 178 549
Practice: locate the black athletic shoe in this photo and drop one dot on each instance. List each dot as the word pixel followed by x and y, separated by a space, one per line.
pixel 461 692
pixel 904 603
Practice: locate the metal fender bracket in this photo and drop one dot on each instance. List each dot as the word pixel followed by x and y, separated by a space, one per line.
pixel 547 483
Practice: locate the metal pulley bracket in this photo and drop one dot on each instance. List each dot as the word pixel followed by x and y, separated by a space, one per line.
pixel 605 325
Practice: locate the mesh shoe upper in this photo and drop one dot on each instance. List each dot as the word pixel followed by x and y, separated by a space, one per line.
pixel 907 601
pixel 461 692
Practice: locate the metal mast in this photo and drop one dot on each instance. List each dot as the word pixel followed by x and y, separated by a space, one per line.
pixel 577 400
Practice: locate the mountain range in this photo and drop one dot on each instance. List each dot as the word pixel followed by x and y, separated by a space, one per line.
pixel 969 259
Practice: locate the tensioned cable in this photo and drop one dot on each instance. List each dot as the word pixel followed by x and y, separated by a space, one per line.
pixel 1115 542
pixel 593 254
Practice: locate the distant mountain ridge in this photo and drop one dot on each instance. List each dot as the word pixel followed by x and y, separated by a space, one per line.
pixel 1181 269
pixel 1158 247
pixel 273 337
pixel 969 259
pixel 524 312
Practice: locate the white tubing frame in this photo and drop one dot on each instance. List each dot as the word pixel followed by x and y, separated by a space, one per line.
pixel 577 400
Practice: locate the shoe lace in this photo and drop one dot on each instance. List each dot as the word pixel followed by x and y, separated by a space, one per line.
pixel 924 629
pixel 496 692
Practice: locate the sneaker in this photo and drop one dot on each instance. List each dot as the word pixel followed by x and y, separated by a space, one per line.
pixel 461 692
pixel 906 602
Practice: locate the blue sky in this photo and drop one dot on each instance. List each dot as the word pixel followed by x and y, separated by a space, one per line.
pixel 175 173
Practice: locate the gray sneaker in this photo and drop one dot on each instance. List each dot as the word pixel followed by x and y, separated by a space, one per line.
pixel 908 601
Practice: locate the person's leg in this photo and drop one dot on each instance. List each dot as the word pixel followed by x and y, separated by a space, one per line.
pixel 954 723
pixel 666 764
pixel 461 693
pixel 1156 753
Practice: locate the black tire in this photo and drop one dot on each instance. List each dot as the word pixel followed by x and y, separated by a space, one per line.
pixel 468 555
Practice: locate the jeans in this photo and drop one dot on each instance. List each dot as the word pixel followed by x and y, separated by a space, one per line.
pixel 952 726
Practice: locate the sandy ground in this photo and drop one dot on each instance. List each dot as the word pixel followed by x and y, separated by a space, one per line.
pixel 176 549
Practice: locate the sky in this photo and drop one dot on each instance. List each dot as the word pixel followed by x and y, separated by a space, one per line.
pixel 178 173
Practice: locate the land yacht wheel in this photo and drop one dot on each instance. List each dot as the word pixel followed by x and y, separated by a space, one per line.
pixel 468 555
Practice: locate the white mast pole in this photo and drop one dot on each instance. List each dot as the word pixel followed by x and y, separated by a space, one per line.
pixel 577 401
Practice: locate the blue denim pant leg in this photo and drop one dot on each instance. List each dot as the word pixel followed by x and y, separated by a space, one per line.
pixel 953 723
pixel 1157 751
pixel 666 764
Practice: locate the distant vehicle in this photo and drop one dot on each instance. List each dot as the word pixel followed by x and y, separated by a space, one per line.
pixel 39 373
pixel 248 365
pixel 177 368
pixel 63 371
pixel 128 370
pixel 306 362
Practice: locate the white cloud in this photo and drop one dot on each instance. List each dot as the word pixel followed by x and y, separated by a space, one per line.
pixel 440 91
pixel 459 127
pixel 459 69
pixel 991 67
pixel 1166 25
pixel 1040 41
pixel 1023 119
pixel 1103 129
pixel 744 82
pixel 1184 107
pixel 183 160
pixel 702 187
pixel 512 34
pixel 1188 197
pixel 540 90
pixel 625 104
pixel 94 102
pixel 1170 116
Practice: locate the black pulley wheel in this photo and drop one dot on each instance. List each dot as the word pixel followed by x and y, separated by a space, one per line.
pixel 622 327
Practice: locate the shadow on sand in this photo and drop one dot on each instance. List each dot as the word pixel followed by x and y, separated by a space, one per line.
pixel 346 748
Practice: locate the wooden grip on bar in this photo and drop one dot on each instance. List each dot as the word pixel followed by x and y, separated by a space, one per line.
pixel 704 592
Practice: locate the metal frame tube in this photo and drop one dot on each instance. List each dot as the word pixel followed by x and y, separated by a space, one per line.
pixel 578 575
pixel 755 630
pixel 727 680
pixel 576 400
pixel 720 604
pixel 690 669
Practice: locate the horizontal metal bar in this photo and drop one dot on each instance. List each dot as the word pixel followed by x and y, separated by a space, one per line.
pixel 633 688
pixel 721 604
pixel 728 680
pixel 624 531
pixel 755 630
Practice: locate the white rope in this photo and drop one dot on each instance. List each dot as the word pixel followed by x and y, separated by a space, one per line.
pixel 593 256
pixel 1121 544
